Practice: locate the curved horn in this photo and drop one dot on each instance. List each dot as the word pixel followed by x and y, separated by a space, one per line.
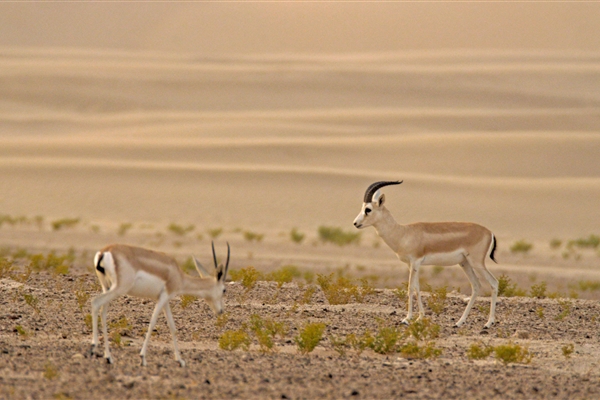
pixel 376 186
pixel 214 255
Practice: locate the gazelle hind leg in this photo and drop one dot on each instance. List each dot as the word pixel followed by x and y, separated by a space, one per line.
pixel 475 287
pixel 494 284
pixel 409 290
pixel 171 324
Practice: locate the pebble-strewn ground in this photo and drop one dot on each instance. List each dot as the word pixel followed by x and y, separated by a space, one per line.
pixel 44 354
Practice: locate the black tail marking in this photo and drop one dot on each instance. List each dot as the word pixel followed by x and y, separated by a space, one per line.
pixel 98 266
pixel 493 249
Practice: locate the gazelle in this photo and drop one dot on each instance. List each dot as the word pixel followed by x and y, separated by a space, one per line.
pixel 435 243
pixel 135 271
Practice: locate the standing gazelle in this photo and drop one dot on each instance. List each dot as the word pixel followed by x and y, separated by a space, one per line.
pixel 134 271
pixel 435 243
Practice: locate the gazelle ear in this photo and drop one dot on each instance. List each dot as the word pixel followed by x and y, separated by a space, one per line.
pixel 378 198
pixel 221 273
pixel 201 270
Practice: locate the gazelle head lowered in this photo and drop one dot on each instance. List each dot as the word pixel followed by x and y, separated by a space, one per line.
pixel 372 206
pixel 214 296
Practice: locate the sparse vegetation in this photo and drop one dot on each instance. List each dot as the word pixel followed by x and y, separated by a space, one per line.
pixel 50 371
pixel 296 236
pixel 232 340
pixel 479 351
pixel 567 350
pixel 437 299
pixel 507 288
pixel 180 230
pixel 521 246
pixel 123 228
pixel 309 337
pixel 342 290
pixel 337 236
pixel 285 274
pixel 214 232
pixel 425 351
pixel 253 236
pixel 187 300
pixel 591 242
pixel 246 276
pixel 64 223
pixel 538 291
pixel 512 353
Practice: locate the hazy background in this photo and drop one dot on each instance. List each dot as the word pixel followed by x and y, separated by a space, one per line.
pixel 276 115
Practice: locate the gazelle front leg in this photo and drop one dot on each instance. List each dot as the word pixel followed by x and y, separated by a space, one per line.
pixel 413 285
pixel 162 300
pixel 101 302
pixel 475 287
pixel 171 324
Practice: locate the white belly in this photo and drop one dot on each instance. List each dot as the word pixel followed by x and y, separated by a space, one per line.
pixel 147 285
pixel 444 259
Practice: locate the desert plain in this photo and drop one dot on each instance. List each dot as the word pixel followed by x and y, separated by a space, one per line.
pixel 172 150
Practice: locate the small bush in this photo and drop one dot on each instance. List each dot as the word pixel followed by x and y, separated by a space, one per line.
pixel 215 232
pixel 309 337
pixel 437 299
pixel 591 242
pixel 50 371
pixel 386 340
pixel 565 309
pixel 423 329
pixel 507 288
pixel 82 297
pixel 232 340
pixel 414 350
pixel 567 350
pixel 253 236
pixel 521 246
pixel 180 230
pixel 32 301
pixel 538 291
pixel 23 334
pixel 52 262
pixel 6 268
pixel 338 236
pixel 265 331
pixel 123 228
pixel 512 353
pixel 308 294
pixel 284 274
pixel 555 244
pixel 343 290
pixel 247 277
pixel 187 300
pixel 478 351
pixel 64 223
pixel 296 236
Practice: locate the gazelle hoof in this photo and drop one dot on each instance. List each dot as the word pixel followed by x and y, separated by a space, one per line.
pixel 143 364
pixel 109 360
pixel 182 363
pixel 406 321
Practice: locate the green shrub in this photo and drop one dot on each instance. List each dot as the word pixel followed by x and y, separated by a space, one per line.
pixel 215 232
pixel 555 244
pixel 478 351
pixel 386 340
pixel 521 246
pixel 423 329
pixel 6 268
pixel 232 340
pixel 253 236
pixel 343 290
pixel 507 288
pixel 338 236
pixel 284 274
pixel 296 236
pixel 309 337
pixel 123 228
pixel 591 242
pixel 538 291
pixel 512 353
pixel 437 299
pixel 64 223
pixel 568 349
pixel 180 230
pixel 187 300
pixel 51 262
pixel 414 350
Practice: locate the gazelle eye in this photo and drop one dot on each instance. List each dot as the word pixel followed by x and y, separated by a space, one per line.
pixel 367 211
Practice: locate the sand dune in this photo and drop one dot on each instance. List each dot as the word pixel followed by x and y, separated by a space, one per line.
pixel 508 139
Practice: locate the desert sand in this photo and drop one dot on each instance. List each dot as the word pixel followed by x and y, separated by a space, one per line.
pixel 213 116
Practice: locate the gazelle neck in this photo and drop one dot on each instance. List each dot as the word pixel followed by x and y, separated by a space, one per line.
pixel 194 285
pixel 388 229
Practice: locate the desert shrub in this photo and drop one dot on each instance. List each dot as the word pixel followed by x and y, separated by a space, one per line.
pixel 187 300
pixel 555 244
pixel 232 340
pixel 402 292
pixel 123 228
pixel 414 350
pixel 296 236
pixel 32 301
pixel 309 277
pixel 309 337
pixel 437 299
pixel 64 223
pixel 343 290
pixel 50 371
pixel 586 285
pixel 567 350
pixel 386 340
pixel 521 246
pixel 308 294
pixel 180 230
pixel 423 329
pixel 565 309
pixel 51 262
pixel 22 332
pixel 285 274
pixel 82 297
pixel 214 232
pixel 6 268
pixel 538 291
pixel 507 288
pixel 591 242
pixel 512 353
pixel 479 350
pixel 253 236
pixel 338 236
pixel 247 277
pixel 265 331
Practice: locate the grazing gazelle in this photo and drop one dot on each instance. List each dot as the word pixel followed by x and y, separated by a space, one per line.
pixel 435 243
pixel 134 271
